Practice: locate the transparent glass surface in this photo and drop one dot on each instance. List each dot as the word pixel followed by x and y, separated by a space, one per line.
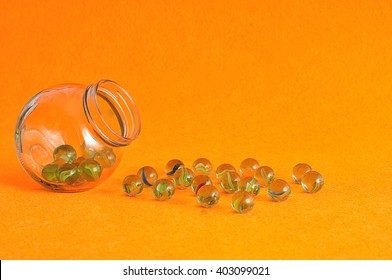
pixel 70 137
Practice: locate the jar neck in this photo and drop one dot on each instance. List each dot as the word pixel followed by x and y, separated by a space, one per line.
pixel 112 113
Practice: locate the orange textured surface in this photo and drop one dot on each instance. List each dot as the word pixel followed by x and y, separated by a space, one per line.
pixel 280 81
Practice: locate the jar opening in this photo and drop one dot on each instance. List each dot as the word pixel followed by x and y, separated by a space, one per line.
pixel 112 113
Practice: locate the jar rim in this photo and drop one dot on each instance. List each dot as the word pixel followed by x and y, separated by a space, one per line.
pixel 122 105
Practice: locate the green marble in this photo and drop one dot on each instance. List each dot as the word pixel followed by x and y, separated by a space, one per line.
pixel 249 184
pixel 242 202
pixel 229 181
pixel 106 158
pixel 88 151
pixel 49 172
pixel 68 173
pixel 133 185
pixel 202 166
pixel 90 170
pixel 64 154
pixel 208 196
pixel 183 178
pixel 163 189
pixel 222 169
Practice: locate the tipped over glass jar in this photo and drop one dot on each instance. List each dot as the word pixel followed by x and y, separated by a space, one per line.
pixel 70 137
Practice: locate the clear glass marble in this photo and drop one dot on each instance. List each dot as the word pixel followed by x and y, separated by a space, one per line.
pixel 279 190
pixel 183 178
pixel 299 171
pixel 148 174
pixel 312 182
pixel 172 166
pixel 229 181
pixel 265 175
pixel 199 181
pixel 163 189
pixel 249 184
pixel 222 169
pixel 202 166
pixel 132 185
pixel 242 202
pixel 208 196
pixel 248 167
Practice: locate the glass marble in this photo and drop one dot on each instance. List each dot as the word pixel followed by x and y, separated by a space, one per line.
pixel 202 166
pixel 249 184
pixel 199 181
pixel 279 190
pixel 299 171
pixel 133 185
pixel 242 202
pixel 64 154
pixel 163 189
pixel 49 172
pixel 265 175
pixel 106 158
pixel 148 174
pixel 90 170
pixel 79 160
pixel 183 178
pixel 248 167
pixel 88 151
pixel 229 182
pixel 312 182
pixel 68 173
pixel 172 166
pixel 208 196
pixel 222 169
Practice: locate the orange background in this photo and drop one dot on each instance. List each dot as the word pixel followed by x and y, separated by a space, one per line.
pixel 280 81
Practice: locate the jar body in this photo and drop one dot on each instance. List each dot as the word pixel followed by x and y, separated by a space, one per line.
pixel 71 137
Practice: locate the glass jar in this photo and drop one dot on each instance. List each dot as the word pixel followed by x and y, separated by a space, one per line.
pixel 70 137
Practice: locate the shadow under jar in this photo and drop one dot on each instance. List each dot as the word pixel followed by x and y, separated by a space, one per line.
pixel 70 137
